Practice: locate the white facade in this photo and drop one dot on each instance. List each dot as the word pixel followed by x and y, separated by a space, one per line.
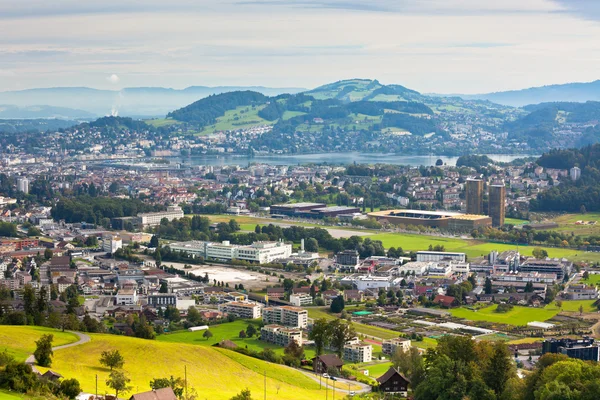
pixel 111 243
pixel 259 252
pixel 184 304
pixel 301 299
pixel 460 267
pixel 127 297
pixel 390 346
pixel 440 256
pixel 244 310
pixel 153 219
pixel 287 316
pixel 363 282
pixel 575 173
pixel 23 185
pixel 440 269
pixel 358 353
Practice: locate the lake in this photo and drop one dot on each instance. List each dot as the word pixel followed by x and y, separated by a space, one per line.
pixel 330 158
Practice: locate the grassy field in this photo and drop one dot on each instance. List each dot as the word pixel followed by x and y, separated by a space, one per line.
pixel 515 221
pixel 593 279
pixel 517 316
pixel 566 223
pixel 573 305
pixel 158 123
pixel 19 341
pixel 214 373
pixel 241 118
pixel 526 340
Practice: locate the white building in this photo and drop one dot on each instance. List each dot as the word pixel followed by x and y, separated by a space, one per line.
pixel 440 269
pixel 153 219
pixel 363 282
pixel 259 252
pixel 127 297
pixel 301 299
pixel 280 335
pixel 460 267
pixel 417 268
pixel 184 304
pixel 246 310
pixel 111 243
pixel 575 173
pixel 389 346
pixel 582 292
pixel 23 185
pixel 358 353
pixel 441 256
pixel 286 315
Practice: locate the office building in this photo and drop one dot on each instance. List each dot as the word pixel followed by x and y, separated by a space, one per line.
pixel 425 256
pixel 497 204
pixel 575 173
pixel 286 315
pixel 475 196
pixel 153 219
pixel 23 185
pixel 258 252
pixel 358 353
pixel 390 346
pixel 584 349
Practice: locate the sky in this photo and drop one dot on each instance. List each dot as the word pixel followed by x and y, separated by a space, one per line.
pixel 440 46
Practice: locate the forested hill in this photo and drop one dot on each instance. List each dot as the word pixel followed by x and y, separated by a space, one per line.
pixel 572 196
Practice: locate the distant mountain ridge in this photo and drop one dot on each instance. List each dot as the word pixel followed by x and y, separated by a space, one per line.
pixel 579 92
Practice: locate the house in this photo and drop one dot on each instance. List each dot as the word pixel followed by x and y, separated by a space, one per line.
pixel 158 394
pixel 276 292
pixel 51 376
pixel 393 382
pixel 354 295
pixel 324 362
pixel 446 301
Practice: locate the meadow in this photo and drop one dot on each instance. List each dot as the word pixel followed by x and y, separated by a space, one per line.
pixel 593 279
pixel 518 316
pixel 19 341
pixel 241 118
pixel 567 224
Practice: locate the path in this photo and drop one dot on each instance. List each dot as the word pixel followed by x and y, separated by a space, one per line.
pixel 83 338
pixel 339 383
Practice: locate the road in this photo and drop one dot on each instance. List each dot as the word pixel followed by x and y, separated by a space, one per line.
pixel 340 383
pixel 83 338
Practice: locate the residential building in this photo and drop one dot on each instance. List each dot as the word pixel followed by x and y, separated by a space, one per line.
pixel 246 310
pixel 23 185
pixel 112 243
pixel 157 394
pixel 390 346
pixel 474 196
pixel 286 315
pixel 280 335
pixel 582 292
pixel 497 204
pixel 393 382
pixel 153 219
pixel 301 299
pixel 358 353
pixel 326 362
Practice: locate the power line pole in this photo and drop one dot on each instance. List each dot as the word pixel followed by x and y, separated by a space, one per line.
pixel 96 385
pixel 185 378
pixel 265 384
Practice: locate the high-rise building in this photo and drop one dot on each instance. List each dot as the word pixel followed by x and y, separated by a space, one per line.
pixel 23 185
pixel 497 204
pixel 575 173
pixel 475 196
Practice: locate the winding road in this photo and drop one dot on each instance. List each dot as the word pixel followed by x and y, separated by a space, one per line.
pixel 83 338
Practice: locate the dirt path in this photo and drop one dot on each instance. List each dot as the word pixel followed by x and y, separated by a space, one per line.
pixel 83 338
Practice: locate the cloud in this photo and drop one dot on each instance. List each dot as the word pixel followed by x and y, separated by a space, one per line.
pixel 586 9
pixel 114 79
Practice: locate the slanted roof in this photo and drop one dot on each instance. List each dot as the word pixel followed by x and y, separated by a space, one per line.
pixel 330 360
pixel 389 374
pixel 159 394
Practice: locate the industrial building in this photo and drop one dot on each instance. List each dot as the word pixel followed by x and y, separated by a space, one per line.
pixel 312 210
pixel 424 256
pixel 497 204
pixel 154 218
pixel 474 196
pixel 436 219
pixel 584 349
pixel 295 208
pixel 258 252
pixel 548 266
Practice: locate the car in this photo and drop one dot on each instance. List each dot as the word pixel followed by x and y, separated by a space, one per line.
pixel 352 393
pixel 326 375
pixel 333 378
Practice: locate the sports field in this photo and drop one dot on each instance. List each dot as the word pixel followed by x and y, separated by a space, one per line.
pixel 517 316
pixel 214 373
pixel 19 341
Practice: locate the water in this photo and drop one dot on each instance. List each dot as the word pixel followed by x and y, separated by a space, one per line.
pixel 330 158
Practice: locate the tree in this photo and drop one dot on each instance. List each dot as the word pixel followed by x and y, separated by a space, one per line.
pixel 439 162
pixel 43 352
pixel 339 333
pixel 500 368
pixel 582 209
pixel 242 334
pixel 586 275
pixel 539 253
pixel 158 257
pixel 48 254
pixel 581 309
pixel 233 225
pixel 207 334
pixel 243 395
pixel 311 245
pixel 250 330
pixel 177 384
pixel 112 359
pixel 164 288
pixel 488 286
pixel 410 364
pixel 154 242
pixel 70 388
pixel 320 335
pixel 337 305
pixel 118 381
pixel 257 229
pixel 294 353
pixel 559 303
pixel 529 287
pixel 288 285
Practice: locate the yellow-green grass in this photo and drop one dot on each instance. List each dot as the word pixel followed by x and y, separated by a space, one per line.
pixel 528 340
pixel 19 341
pixel 515 221
pixel 241 118
pixel 566 223
pixel 376 370
pixel 160 122
pixel 518 316
pixel 6 395
pixel 214 373
pixel 593 279
pixel 573 305
pixel 228 331
pixel 291 114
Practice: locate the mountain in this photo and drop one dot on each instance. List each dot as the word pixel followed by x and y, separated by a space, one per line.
pixel 363 89
pixel 47 112
pixel 139 101
pixel 570 92
pixel 34 125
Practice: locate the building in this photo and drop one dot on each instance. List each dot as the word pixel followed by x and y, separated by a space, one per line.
pixel 244 310
pixel 326 362
pixel 301 299
pixel 364 282
pixel 23 185
pixel 158 394
pixel 436 219
pixel 533 277
pixel 127 297
pixel 111 243
pixel 393 382
pixel 162 300
pixel 582 292
pixel 330 212
pixel 436 256
pixel 153 219
pixel 548 266
pixel 258 252
pixel 286 315
pixel 497 204
pixel 280 335
pixel 390 346
pixel 358 353
pixel 575 173
pixel 347 259
pixel 295 208
pixel 474 196
pixel 584 349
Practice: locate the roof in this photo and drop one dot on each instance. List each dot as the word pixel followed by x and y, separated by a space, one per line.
pixel 390 373
pixel 330 360
pixel 159 394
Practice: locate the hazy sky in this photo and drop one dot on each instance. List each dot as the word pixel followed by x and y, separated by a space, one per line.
pixel 444 46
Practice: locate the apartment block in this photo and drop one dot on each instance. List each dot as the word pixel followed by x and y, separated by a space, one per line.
pixel 280 335
pixel 389 346
pixel 358 353
pixel 244 310
pixel 287 316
